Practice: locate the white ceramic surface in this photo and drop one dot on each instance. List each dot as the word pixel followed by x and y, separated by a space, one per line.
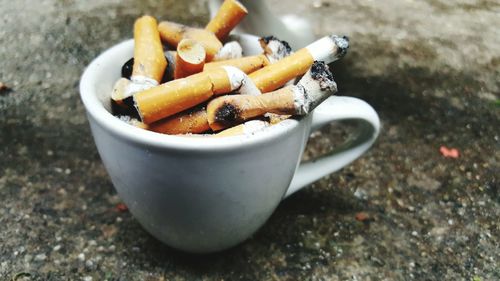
pixel 208 194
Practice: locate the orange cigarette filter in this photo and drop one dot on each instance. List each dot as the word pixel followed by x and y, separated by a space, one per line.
pixel 175 96
pixel 186 122
pixel 245 64
pixel 278 74
pixel 172 33
pixel 190 58
pixel 226 111
pixel 149 60
pixel 229 15
pixel 326 49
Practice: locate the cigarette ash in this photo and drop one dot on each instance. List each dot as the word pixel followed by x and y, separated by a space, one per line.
pixel 227 114
pixel 130 120
pixel 342 43
pixel 264 41
pixel 274 48
pixel 320 72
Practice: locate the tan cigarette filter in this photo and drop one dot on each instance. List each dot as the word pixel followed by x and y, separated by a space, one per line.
pixel 247 128
pixel 178 95
pixel 186 122
pixel 220 80
pixel 149 60
pixel 230 13
pixel 278 74
pixel 190 58
pixel 245 64
pixel 226 111
pixel 172 33
pixel 327 49
pixel 173 97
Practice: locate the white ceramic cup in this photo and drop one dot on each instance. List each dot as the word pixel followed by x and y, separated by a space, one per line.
pixel 207 194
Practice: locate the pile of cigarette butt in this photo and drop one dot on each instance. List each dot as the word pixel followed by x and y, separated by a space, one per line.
pixel 204 85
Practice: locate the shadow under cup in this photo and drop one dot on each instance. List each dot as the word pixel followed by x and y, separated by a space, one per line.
pixel 197 194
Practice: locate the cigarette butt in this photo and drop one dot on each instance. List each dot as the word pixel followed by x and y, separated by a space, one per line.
pixel 227 111
pixel 172 97
pixel 172 33
pixel 220 80
pixel 190 58
pixel 178 95
pixel 274 48
pixel 273 76
pixel 248 128
pixel 278 74
pixel 230 50
pixel 314 87
pixel 119 90
pixel 187 122
pixel 228 16
pixel 149 60
pixel 245 64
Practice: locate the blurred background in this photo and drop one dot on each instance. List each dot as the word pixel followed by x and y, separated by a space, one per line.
pixel 407 210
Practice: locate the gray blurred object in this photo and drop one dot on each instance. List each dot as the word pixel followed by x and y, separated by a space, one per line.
pixel 261 21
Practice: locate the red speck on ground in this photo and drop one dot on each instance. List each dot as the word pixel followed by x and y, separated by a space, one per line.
pixel 361 216
pixel 120 207
pixel 449 152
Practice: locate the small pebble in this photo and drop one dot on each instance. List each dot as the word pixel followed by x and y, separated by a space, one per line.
pixel 3 87
pixel 87 278
pixel 56 248
pixel 81 257
pixel 89 264
pixel 40 257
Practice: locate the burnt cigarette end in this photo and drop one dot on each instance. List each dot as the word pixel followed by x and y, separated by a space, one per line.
pixel 125 108
pixel 227 113
pixel 264 41
pixel 321 73
pixel 127 68
pixel 342 43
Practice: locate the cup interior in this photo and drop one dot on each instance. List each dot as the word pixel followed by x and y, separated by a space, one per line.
pixel 97 83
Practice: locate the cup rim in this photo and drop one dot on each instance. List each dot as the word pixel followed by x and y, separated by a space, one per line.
pixel 96 110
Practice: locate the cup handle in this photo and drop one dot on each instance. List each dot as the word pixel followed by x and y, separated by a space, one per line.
pixel 334 109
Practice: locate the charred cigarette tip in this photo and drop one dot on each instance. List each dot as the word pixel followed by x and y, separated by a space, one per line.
pixel 342 43
pixel 226 113
pixel 267 39
pixel 321 73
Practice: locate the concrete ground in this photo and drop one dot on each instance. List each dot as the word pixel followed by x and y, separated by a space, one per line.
pixel 403 211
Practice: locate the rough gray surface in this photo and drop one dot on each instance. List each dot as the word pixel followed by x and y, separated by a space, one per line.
pixel 402 212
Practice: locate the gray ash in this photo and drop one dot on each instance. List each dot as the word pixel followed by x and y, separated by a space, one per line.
pixel 321 72
pixel 266 39
pixel 342 43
